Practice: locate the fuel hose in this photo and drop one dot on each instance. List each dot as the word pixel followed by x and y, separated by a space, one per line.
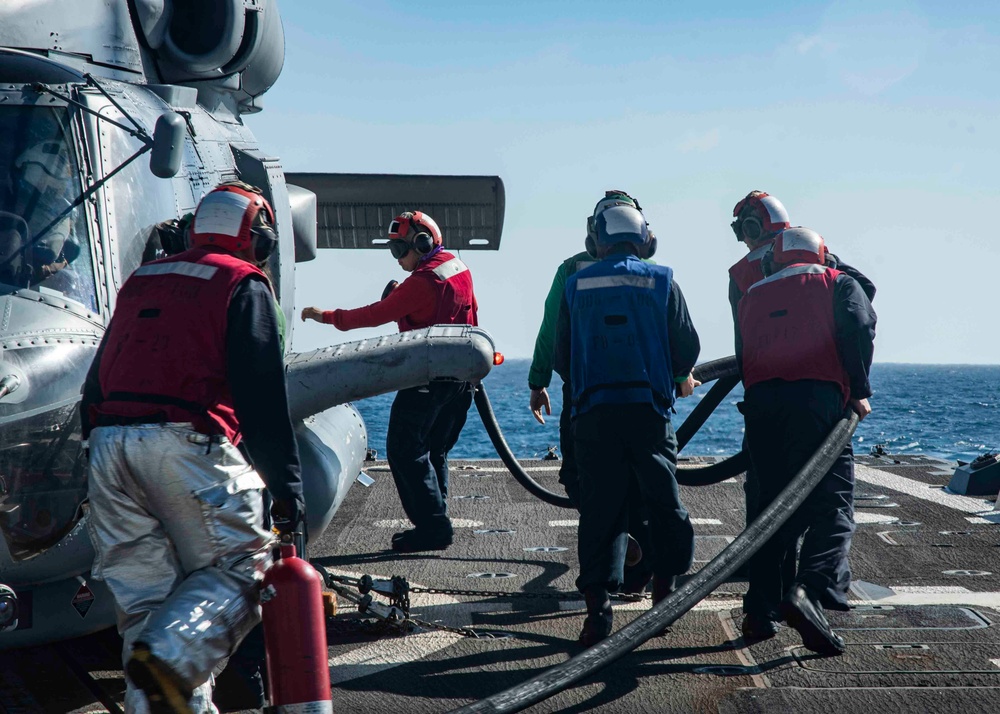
pixel 671 608
pixel 723 370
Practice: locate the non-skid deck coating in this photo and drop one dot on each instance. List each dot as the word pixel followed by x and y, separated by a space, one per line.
pixel 923 635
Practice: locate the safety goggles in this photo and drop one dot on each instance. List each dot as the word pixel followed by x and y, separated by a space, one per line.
pixel 399 248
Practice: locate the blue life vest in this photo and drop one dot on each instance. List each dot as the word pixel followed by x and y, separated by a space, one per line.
pixel 620 350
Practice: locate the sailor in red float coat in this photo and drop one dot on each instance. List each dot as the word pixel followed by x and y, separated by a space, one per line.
pixel 425 422
pixel 191 361
pixel 804 348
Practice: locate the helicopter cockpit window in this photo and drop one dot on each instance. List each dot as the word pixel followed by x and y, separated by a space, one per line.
pixel 44 245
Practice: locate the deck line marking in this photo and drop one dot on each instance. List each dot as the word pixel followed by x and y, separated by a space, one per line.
pixel 694 521
pixel 404 523
pixel 989 519
pixel 863 517
pixel 917 489
pixel 742 653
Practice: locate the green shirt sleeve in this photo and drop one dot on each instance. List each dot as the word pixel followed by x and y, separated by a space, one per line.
pixel 540 373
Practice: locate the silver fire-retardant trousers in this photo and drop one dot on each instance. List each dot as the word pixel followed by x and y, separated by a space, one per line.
pixel 176 520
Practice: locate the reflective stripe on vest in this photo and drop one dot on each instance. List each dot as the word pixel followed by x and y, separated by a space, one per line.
pixel 748 270
pixel 191 270
pixel 449 269
pixel 788 329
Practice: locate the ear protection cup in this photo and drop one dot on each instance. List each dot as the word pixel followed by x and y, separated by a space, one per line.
pixel 648 250
pixel 265 241
pixel 423 243
pixel 752 228
pixel 591 229
pixel 590 245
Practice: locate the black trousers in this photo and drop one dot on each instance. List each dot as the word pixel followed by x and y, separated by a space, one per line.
pixel 751 497
pixel 638 516
pixel 424 425
pixel 612 441
pixel 785 424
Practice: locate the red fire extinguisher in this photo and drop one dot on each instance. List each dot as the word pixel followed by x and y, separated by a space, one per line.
pixel 298 673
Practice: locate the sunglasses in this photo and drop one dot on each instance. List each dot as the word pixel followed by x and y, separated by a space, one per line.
pixel 399 248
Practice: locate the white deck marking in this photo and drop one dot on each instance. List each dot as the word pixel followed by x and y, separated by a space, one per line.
pixel 394 651
pixel 917 489
pixel 573 524
pixel 995 662
pixel 742 653
pixel 404 523
pixel 863 517
pixel 708 605
pixel 988 519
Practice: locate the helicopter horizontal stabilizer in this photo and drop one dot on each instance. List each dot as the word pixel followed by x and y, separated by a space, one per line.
pixel 354 210
pixel 342 373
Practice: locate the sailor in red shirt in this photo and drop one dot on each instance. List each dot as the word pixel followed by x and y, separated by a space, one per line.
pixel 424 422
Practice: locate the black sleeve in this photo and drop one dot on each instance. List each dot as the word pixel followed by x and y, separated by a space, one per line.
pixel 92 387
pixel 866 285
pixel 734 304
pixel 561 356
pixel 684 343
pixel 256 370
pixel 855 323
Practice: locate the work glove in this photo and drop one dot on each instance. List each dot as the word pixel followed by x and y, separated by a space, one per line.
pixel 390 286
pixel 289 515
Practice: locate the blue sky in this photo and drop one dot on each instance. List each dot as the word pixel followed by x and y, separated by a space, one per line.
pixel 874 122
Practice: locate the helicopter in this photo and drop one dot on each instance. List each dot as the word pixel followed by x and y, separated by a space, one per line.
pixel 115 117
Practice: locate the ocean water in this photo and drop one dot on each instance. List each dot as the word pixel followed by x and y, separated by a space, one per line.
pixel 948 411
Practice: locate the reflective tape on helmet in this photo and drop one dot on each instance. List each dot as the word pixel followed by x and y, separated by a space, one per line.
pixel 221 213
pixel 775 209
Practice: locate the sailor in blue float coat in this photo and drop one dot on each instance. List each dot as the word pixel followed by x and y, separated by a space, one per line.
pixel 626 343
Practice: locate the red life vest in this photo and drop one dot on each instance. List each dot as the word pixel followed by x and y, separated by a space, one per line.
pixel 748 271
pixel 455 302
pixel 788 328
pixel 165 354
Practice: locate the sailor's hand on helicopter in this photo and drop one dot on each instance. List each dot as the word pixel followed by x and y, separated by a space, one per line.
pixel 539 399
pixel 312 313
pixel 861 407
pixel 686 388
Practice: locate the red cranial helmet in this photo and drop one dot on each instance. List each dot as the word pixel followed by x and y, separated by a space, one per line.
pixel 413 229
pixel 798 245
pixel 759 216
pixel 230 217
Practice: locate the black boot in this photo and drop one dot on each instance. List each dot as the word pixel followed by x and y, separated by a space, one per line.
pixel 803 612
pixel 663 586
pixel 597 626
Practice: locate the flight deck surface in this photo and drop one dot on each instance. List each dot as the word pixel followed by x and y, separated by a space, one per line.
pixel 922 635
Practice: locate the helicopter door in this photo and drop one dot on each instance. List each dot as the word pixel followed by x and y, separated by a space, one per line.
pixel 266 174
